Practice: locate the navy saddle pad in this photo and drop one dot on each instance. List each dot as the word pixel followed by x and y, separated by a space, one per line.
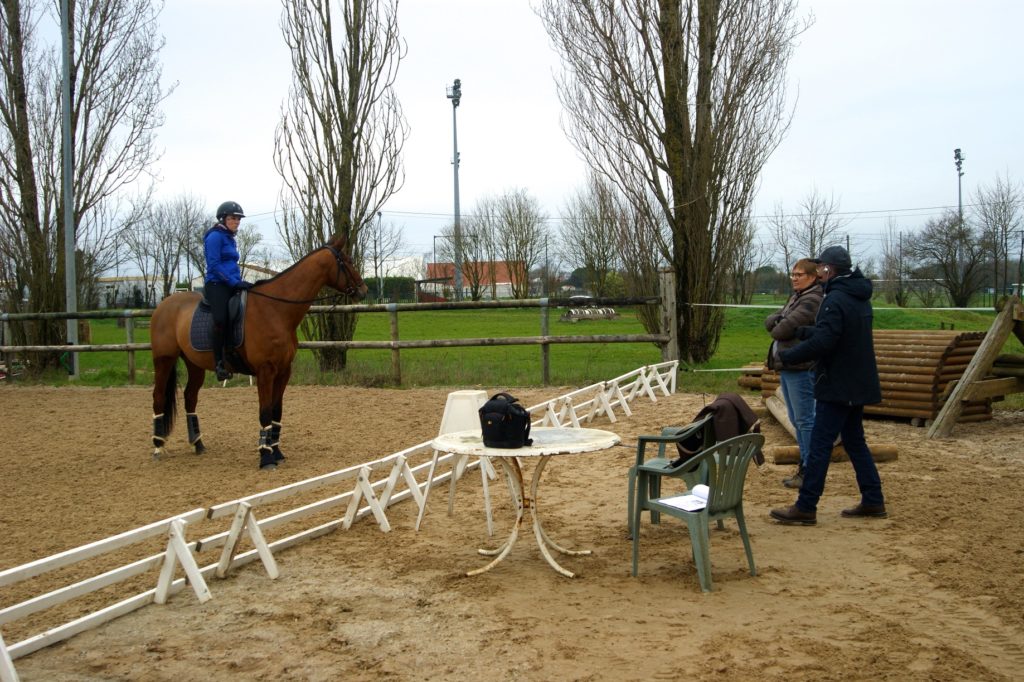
pixel 201 332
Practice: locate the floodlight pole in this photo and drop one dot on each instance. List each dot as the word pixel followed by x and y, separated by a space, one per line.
pixel 70 278
pixel 958 159
pixel 455 95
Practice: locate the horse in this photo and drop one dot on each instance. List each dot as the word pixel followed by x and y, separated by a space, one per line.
pixel 274 309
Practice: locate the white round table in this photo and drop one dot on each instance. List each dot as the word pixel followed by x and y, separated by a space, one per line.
pixel 548 442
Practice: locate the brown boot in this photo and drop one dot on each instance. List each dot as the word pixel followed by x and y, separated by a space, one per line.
pixel 794 516
pixel 872 511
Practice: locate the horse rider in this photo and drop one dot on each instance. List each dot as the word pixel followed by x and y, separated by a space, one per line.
pixel 223 277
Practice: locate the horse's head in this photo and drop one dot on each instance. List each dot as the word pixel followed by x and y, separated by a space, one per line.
pixel 346 279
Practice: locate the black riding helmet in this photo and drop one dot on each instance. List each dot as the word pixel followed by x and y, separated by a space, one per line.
pixel 229 208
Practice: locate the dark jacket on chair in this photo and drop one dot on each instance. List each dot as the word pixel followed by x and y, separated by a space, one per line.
pixel 730 417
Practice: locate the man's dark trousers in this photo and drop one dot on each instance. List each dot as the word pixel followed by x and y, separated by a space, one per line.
pixel 831 420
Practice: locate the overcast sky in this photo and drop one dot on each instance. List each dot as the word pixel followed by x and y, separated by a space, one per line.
pixel 884 90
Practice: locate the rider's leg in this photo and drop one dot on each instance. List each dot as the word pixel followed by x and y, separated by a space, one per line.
pixel 218 295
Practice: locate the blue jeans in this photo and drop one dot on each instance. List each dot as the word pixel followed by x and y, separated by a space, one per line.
pixel 831 420
pixel 798 391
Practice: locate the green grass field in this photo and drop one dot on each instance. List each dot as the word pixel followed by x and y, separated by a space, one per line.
pixel 743 341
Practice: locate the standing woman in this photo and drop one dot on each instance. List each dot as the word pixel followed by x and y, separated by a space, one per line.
pixel 223 277
pixel 797 380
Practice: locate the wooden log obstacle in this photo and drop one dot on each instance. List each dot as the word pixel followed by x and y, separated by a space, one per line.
pixel 790 454
pixel 915 367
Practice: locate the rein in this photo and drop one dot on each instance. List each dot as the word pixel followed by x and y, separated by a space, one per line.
pixel 349 290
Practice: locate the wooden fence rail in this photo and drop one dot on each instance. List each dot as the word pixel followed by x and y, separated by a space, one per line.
pixel 395 344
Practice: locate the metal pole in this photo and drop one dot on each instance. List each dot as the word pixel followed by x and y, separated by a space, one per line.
pixel 958 159
pixel 376 256
pixel 455 95
pixel 67 150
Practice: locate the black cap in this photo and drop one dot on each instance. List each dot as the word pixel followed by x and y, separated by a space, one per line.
pixel 837 256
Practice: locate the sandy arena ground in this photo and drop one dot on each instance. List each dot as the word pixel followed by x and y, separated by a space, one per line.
pixel 935 592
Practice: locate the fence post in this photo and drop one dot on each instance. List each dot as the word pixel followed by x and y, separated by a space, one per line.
pixel 545 348
pixel 129 331
pixel 669 315
pixel 396 360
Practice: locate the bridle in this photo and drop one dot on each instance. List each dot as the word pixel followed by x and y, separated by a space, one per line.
pixel 343 267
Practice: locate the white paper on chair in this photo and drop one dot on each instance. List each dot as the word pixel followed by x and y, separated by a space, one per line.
pixel 695 500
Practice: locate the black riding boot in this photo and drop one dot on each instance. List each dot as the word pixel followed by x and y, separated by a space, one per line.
pixel 218 354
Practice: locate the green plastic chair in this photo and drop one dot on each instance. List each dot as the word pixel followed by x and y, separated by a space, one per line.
pixel 727 464
pixel 660 466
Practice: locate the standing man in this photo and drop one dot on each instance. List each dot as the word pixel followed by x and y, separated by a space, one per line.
pixel 846 379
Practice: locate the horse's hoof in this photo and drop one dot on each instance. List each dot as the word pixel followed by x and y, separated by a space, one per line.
pixel 200 448
pixel 278 456
pixel 157 453
pixel 268 467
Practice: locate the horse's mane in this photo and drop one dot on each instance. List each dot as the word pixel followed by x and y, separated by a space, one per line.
pixel 338 243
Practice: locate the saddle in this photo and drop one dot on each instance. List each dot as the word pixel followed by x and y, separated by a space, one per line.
pixel 201 329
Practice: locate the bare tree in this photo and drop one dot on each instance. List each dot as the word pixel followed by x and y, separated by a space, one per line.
pixel 379 244
pixel 998 213
pixel 683 100
pixel 592 220
pixel 806 233
pixel 338 146
pixel 520 237
pixel 741 270
pixel 950 251
pixel 115 75
pixel 895 265
pixel 642 240
pixel 100 240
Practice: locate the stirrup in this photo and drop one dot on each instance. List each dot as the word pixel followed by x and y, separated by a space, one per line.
pixel 222 373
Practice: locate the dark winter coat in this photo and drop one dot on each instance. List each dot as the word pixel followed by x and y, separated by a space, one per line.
pixel 841 345
pixel 799 311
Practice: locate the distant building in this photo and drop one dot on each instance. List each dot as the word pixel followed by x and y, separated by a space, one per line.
pixel 495 279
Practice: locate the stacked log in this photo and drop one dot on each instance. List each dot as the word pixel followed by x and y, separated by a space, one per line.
pixel 914 368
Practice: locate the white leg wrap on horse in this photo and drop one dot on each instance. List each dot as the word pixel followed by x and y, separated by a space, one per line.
pixel 265 439
pixel 159 434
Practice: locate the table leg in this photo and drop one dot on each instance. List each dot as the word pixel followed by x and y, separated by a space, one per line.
pixel 514 477
pixel 543 541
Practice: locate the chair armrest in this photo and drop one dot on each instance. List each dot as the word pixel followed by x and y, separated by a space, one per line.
pixel 642 441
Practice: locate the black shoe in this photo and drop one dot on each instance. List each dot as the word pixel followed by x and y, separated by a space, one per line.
pixel 221 371
pixel 871 511
pixel 794 516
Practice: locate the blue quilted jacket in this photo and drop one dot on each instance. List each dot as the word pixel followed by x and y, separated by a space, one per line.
pixel 221 256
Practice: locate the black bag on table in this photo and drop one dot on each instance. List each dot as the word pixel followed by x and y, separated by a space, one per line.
pixel 504 422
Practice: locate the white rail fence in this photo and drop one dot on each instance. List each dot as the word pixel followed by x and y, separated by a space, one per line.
pixel 366 489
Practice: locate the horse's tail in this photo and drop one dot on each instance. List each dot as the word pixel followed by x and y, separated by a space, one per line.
pixel 163 424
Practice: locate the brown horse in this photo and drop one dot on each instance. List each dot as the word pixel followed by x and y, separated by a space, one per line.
pixel 275 307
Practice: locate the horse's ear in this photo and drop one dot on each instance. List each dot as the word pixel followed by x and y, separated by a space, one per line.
pixel 339 241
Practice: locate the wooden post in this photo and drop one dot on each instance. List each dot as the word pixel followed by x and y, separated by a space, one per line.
pixel 545 349
pixel 669 315
pixel 981 363
pixel 396 359
pixel 129 331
